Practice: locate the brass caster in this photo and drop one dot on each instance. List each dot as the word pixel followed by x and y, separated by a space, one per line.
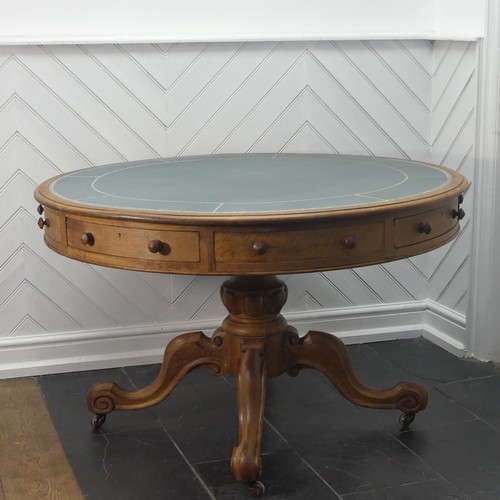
pixel 257 488
pixel 405 419
pixel 98 420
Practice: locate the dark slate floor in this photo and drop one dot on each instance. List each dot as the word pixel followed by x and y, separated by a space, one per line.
pixel 316 445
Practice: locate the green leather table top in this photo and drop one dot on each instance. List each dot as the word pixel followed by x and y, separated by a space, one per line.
pixel 250 184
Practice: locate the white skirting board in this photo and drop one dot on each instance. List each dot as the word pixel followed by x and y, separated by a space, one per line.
pixel 91 350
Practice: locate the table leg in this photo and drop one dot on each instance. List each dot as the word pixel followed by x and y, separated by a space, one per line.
pixel 182 354
pixel 327 354
pixel 252 377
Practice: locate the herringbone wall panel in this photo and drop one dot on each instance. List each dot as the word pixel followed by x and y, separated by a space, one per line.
pixel 68 107
pixel 454 95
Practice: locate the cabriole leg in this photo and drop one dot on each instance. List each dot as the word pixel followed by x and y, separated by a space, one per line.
pixel 327 354
pixel 182 354
pixel 252 377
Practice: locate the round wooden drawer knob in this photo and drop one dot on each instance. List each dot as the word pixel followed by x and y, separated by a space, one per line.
pixel 424 227
pixel 42 223
pixel 350 241
pixel 158 246
pixel 87 239
pixel 259 248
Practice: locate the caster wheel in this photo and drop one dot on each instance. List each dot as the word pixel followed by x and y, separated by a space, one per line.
pixel 257 488
pixel 97 421
pixel 406 419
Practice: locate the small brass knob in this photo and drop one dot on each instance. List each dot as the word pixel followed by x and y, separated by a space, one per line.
pixel 350 241
pixel 458 213
pixel 39 209
pixel 87 239
pixel 42 223
pixel 260 247
pixel 424 227
pixel 158 246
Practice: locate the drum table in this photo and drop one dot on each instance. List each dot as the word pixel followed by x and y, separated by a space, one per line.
pixel 252 217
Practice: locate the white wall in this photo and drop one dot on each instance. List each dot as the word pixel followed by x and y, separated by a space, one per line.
pixel 64 107
pixel 484 313
pixel 95 21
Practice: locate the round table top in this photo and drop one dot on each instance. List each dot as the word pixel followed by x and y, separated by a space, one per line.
pixel 251 214
pixel 250 184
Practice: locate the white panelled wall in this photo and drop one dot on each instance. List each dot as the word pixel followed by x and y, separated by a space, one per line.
pixel 64 107
pixel 94 21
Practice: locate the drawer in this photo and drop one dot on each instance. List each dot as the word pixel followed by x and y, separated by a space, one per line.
pixel 137 243
pixel 347 244
pixel 54 225
pixel 424 226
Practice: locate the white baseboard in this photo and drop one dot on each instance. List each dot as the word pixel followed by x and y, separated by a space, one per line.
pixel 360 324
pixel 446 328
pixel 91 350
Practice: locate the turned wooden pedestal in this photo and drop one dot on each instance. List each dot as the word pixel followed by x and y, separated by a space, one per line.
pixel 255 343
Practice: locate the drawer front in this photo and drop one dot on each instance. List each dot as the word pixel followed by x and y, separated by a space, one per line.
pixel 54 228
pixel 423 227
pixel 342 244
pixel 174 246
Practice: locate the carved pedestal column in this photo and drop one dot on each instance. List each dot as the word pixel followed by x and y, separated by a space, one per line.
pixel 256 333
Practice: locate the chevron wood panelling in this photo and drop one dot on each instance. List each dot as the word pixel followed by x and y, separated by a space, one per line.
pixel 453 126
pixel 68 107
